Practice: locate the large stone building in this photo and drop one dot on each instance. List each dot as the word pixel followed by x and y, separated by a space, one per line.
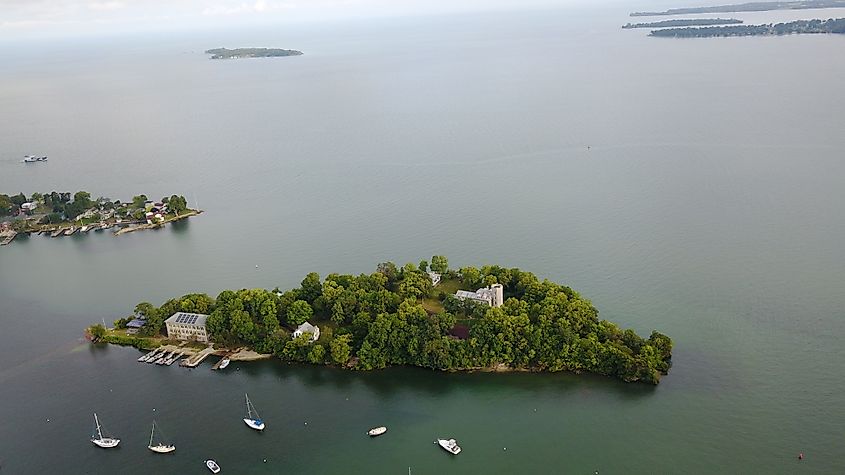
pixel 493 296
pixel 187 326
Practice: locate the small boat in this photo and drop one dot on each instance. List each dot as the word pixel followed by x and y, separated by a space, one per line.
pixel 449 445
pixel 70 231
pixel 253 422
pixel 99 440
pixel 159 448
pixel 33 159
pixel 223 363
pixel 84 229
pixel 377 431
pixel 212 465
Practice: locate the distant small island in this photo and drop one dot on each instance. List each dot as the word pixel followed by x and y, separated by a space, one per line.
pixel 682 23
pixel 749 7
pixel 426 314
pixel 63 214
pixel 836 26
pixel 237 53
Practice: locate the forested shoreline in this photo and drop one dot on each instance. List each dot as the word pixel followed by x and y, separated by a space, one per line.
pixel 836 26
pixel 395 316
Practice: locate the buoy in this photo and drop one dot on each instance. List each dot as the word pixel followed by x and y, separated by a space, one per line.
pixel 504 448
pixel 48 419
pixel 256 266
pixel 265 460
pixel 154 409
pixel 801 456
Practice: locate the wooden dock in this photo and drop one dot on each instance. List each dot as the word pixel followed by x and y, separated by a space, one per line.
pixel 198 358
pixel 6 237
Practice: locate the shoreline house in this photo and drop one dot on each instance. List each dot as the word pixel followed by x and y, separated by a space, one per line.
pixel 187 326
pixel 306 327
pixel 493 295
pixel 435 278
pixel 134 326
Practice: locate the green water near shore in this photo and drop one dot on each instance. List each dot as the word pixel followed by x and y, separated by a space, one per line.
pixel 708 207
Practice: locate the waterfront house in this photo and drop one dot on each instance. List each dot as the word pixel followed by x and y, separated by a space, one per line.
pixel 187 326
pixel 29 207
pixel 492 295
pixel 435 278
pixel 307 328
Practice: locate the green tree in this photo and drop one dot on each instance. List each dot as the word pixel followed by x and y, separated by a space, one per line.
pixel 177 204
pixel 311 287
pixel 423 265
pixel 299 312
pixel 138 201
pixel 97 332
pixel 317 354
pixel 18 199
pixel 439 264
pixel 341 349
pixel 83 198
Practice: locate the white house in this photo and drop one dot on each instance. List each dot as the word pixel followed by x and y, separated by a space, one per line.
pixel 435 278
pixel 187 326
pixel 307 328
pixel 29 206
pixel 492 296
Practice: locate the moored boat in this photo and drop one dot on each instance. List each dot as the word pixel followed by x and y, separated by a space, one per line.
pixel 253 421
pixel 98 439
pixel 160 447
pixel 212 465
pixel 449 445
pixel 377 431
pixel 224 363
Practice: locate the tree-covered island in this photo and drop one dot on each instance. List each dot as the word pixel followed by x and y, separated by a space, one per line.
pixel 836 26
pixel 237 53
pixel 749 7
pixel 684 22
pixel 65 213
pixel 412 315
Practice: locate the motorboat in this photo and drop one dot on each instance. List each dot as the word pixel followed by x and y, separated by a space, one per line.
pixel 449 445
pixel 377 431
pixel 224 363
pixel 212 465
pixel 33 159
pixel 99 440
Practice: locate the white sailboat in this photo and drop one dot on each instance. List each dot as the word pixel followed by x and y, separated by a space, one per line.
pixel 99 440
pixel 253 422
pixel 160 447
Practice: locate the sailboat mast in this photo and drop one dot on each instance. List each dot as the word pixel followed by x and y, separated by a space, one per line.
pixel 248 409
pixel 97 421
pixel 151 433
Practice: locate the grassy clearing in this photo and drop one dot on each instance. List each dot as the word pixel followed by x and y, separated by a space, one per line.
pixel 432 303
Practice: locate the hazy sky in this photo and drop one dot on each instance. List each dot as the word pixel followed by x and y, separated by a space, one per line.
pixel 27 17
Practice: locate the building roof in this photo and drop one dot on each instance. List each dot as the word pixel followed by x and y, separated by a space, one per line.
pixel 136 323
pixel 306 328
pixel 466 294
pixel 187 318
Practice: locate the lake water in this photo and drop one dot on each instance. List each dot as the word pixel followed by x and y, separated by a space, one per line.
pixel 708 206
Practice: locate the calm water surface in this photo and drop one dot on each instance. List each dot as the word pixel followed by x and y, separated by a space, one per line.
pixel 709 206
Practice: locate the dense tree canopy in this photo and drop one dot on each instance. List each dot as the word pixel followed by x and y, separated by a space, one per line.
pixel 375 320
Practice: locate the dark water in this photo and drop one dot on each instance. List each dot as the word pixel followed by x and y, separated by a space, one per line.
pixel 709 206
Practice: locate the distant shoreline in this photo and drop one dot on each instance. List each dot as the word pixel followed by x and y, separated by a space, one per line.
pixel 749 7
pixel 241 53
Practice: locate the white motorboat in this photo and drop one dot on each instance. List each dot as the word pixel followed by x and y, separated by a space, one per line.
pixel 99 440
pixel 212 465
pixel 254 422
pixel 160 447
pixel 449 445
pixel 33 159
pixel 377 431
pixel 224 363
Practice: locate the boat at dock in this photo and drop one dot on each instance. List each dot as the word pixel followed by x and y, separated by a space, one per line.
pixel 224 363
pixel 254 422
pixel 84 229
pixel 160 447
pixel 172 359
pixel 98 439
pixel 57 233
pixel 449 445
pixel 377 431
pixel 33 159
pixel 70 230
pixel 212 465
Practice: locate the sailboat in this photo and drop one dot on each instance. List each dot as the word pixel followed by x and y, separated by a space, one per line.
pixel 253 422
pixel 99 440
pixel 159 448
